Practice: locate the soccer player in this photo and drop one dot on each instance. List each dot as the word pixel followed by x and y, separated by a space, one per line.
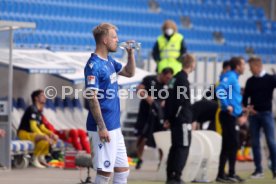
pixel 103 122
pixel 178 114
pixel 150 115
pixel 31 128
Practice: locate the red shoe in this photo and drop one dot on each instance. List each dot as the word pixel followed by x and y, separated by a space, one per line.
pixel 241 158
pixel 248 158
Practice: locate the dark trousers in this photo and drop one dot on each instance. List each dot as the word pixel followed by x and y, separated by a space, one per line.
pixel 181 140
pixel 230 142
pixel 265 121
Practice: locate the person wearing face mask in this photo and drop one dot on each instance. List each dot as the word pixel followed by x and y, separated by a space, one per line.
pixel 168 48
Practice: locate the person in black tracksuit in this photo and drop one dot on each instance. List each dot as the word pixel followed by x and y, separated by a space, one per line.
pixel 178 115
pixel 205 110
pixel 150 115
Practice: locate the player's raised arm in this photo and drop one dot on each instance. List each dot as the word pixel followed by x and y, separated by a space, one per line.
pixel 129 69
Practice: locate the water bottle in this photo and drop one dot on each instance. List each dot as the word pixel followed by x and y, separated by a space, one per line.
pixel 133 45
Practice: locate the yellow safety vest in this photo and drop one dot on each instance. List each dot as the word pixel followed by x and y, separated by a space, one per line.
pixel 169 52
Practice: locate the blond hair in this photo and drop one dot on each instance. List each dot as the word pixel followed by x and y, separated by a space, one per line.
pixel 102 30
pixel 169 24
pixel 187 60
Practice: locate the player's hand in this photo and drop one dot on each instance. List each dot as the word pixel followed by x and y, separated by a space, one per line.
pixel 242 120
pixel 129 49
pixel 195 126
pixel 162 103
pixel 104 135
pixel 230 109
pixel 54 137
pixel 149 100
pixel 49 139
pixel 166 124
pixel 251 110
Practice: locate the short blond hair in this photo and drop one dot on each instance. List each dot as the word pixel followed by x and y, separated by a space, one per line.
pixel 169 24
pixel 187 60
pixel 102 30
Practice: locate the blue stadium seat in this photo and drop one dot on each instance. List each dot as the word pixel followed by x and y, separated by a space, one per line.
pixel 68 24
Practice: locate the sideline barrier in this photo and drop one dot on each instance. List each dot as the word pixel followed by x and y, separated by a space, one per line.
pixel 215 141
pixel 195 158
pixel 203 159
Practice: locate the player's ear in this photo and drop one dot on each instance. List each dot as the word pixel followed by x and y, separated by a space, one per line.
pixel 105 40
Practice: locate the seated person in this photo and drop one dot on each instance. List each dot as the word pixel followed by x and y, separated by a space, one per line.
pixel 32 129
pixel 77 137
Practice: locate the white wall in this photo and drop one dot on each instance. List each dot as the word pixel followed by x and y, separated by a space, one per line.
pixel 24 83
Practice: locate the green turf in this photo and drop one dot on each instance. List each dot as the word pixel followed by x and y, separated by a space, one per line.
pixel 266 180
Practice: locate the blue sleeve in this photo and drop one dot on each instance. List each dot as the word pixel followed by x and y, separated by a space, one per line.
pixel 118 66
pixel 222 91
pixel 92 76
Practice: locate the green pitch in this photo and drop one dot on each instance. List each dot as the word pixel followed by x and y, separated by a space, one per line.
pixel 266 180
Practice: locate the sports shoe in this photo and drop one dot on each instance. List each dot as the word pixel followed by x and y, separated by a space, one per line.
pixel 248 158
pixel 37 164
pixel 235 178
pixel 223 179
pixel 241 158
pixel 257 175
pixel 139 164
pixel 274 176
pixel 43 161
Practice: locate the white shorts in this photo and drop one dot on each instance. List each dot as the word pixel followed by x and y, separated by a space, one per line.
pixel 106 156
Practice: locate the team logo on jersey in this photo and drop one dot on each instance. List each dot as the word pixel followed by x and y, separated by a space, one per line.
pixel 91 65
pixel 91 79
pixel 100 146
pixel 225 79
pixel 33 116
pixel 113 78
pixel 106 164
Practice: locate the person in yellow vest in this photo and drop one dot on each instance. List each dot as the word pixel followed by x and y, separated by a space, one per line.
pixel 169 47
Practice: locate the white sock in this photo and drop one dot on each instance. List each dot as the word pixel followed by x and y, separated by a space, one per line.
pixel 101 179
pixel 120 177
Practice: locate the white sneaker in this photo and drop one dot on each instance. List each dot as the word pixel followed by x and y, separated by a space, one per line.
pixel 37 164
pixel 257 175
pixel 43 161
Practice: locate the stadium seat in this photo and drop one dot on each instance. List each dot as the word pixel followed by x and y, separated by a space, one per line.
pixel 67 24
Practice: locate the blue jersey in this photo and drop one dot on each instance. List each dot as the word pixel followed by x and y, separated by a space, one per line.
pixel 232 97
pixel 101 75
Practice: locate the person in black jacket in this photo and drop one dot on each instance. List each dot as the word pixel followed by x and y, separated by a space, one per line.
pixel 178 115
pixel 258 98
pixel 150 115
